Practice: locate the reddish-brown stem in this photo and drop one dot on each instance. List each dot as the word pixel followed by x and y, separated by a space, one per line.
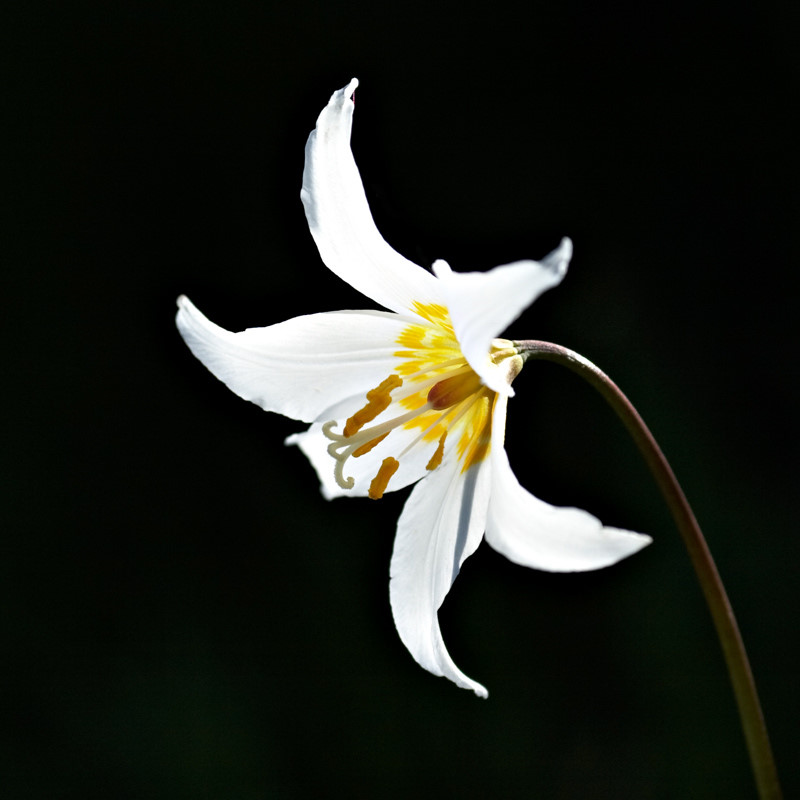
pixel 744 688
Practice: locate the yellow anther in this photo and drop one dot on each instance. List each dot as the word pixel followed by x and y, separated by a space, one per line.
pixel 378 399
pixel 436 458
pixel 365 448
pixel 476 438
pixel 451 391
pixel 379 482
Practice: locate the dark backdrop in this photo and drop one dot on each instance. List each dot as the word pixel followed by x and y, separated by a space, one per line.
pixel 184 616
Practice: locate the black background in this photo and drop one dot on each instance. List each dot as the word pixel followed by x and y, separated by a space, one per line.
pixel 183 614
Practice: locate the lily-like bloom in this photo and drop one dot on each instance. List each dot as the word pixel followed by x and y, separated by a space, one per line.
pixel 415 394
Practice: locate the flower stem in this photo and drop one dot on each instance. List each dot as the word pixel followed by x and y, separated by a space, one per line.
pixel 744 688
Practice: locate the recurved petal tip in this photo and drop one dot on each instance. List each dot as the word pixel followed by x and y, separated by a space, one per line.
pixel 558 260
pixel 340 220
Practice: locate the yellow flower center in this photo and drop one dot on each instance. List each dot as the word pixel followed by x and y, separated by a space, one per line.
pixel 434 390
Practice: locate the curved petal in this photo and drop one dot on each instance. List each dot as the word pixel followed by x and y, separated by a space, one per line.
pixel 533 533
pixel 341 222
pixel 483 304
pixel 300 367
pixel 441 525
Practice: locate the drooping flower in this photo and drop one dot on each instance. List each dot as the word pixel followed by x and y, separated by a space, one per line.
pixel 415 394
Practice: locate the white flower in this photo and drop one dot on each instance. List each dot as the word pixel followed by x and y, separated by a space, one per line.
pixel 415 394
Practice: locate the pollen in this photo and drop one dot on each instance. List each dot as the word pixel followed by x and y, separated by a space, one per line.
pixel 378 400
pixel 436 458
pixel 365 448
pixel 380 481
pixel 476 436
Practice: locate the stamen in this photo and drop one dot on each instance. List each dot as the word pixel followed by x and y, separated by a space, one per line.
pixel 417 385
pixel 465 409
pixel 436 458
pixel 365 448
pixel 341 448
pixel 427 390
pixel 453 390
pixel 438 421
pixel 475 447
pixel 437 367
pixel 379 482
pixel 378 400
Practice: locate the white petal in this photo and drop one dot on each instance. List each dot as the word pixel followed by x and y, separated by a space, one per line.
pixel 301 367
pixel 341 222
pixel 483 304
pixel 535 534
pixel 441 525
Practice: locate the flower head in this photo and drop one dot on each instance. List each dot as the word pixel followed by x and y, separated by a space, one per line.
pixel 415 394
